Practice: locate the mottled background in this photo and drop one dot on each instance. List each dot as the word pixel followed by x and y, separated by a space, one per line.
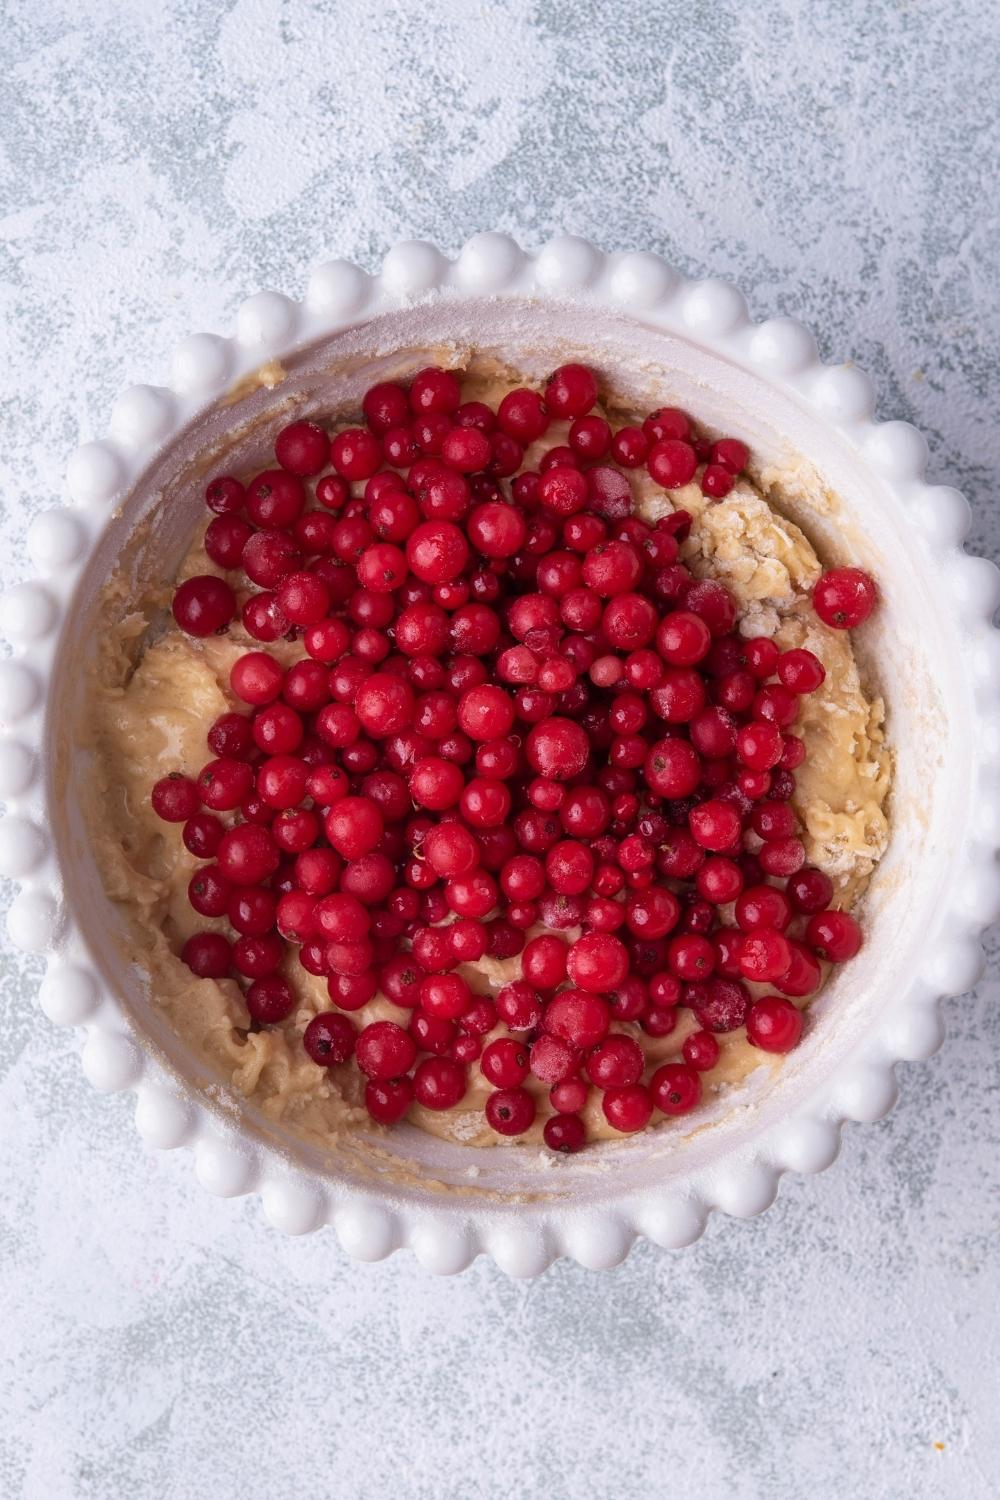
pixel 159 161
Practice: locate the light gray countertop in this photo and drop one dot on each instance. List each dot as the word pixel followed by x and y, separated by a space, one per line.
pixel 159 161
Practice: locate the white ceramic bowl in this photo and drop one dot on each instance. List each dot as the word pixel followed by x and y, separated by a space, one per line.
pixel 930 646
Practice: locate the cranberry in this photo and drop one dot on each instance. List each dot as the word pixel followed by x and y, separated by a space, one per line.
pixel 804 976
pixel 714 824
pixel 576 1017
pixel 332 492
pixel 439 1083
pixel 672 463
pixel 616 1062
pixel 202 834
pixel 717 481
pixel 504 1063
pixel 629 447
pixel 672 768
pixel 724 1005
pixel 434 390
pixel 810 890
pixel 436 551
pixel 384 1050
pixel 302 447
pixel 801 671
pixel 204 605
pixel 565 1132
pixel 552 1059
pixel 225 539
pixel 275 499
pixel 557 748
pixel 387 1100
pixel 208 955
pixel 384 406
pixel 445 996
pixel 263 619
pixel 522 415
pixel 844 598
pixel 175 798
pixel 762 906
pixel 765 956
pixel 510 1111
pixel 597 962
pixel 270 1000
pixel 701 1051
pixel 466 450
pixel 774 1024
pixel 759 745
pixel 353 826
pixel 355 454
pixel 834 935
pixel 571 391
pixel 224 495
pixel 676 1088
pixel 628 1109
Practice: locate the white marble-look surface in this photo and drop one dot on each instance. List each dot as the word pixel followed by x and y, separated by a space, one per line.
pixel 160 159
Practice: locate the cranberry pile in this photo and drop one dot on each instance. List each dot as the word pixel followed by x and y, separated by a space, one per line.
pixel 515 714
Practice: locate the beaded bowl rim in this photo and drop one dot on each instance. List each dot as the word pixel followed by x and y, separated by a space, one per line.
pixel 270 326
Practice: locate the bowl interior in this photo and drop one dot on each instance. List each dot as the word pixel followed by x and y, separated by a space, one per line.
pixel 848 513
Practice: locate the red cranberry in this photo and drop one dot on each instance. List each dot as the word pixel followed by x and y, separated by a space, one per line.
pixel 175 798
pixel 565 1132
pixel 616 1062
pixel 208 955
pixel 672 463
pixel 439 1083
pixel 834 935
pixel 701 1051
pixel 571 391
pixel 387 1100
pixel 302 448
pixel 204 605
pixel 774 1024
pixel 810 890
pixel 510 1111
pixel 628 1109
pixel 270 1000
pixel 724 1004
pixel 355 454
pixel 224 495
pixel 844 598
pixel 676 1088
pixel 384 1050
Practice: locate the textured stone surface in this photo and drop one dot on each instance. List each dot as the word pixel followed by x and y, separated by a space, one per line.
pixel 158 163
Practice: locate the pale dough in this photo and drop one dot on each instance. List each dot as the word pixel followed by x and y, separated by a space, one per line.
pixel 155 696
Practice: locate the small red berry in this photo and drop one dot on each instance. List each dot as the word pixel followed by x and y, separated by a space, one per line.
pixel 676 1088
pixel 774 1024
pixel 510 1111
pixel 571 391
pixel 565 1132
pixel 845 597
pixel 628 1109
pixel 204 605
pixel 302 448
